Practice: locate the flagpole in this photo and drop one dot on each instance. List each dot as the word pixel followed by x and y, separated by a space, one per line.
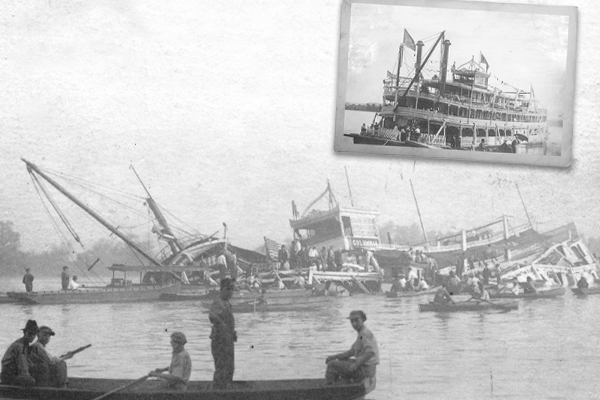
pixel 400 53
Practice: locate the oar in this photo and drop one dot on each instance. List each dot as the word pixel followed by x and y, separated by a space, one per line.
pixel 130 384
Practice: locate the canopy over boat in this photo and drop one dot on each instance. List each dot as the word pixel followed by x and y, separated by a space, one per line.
pixel 87 389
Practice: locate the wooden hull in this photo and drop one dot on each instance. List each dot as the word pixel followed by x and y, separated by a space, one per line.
pixel 280 305
pixel 592 290
pixel 87 389
pixel 242 295
pixel 471 306
pixel 102 295
pixel 359 139
pixel 410 293
pixel 541 294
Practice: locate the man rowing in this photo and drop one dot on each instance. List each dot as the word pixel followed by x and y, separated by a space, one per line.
pixel 15 363
pixel 442 296
pixel 177 374
pixel 46 369
pixel 358 363
pixel 528 286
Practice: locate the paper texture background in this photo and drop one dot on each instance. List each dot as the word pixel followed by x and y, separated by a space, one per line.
pixel 227 110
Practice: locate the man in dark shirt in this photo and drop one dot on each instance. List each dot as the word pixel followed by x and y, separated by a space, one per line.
pixel 64 278
pixel 28 280
pixel 223 336
pixel 15 363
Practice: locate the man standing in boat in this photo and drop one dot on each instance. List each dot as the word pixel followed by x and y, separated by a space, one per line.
pixel 64 278
pixel 358 363
pixel 28 280
pixel 223 336
pixel 15 363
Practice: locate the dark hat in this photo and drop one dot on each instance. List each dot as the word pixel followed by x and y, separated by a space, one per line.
pixel 31 327
pixel 357 314
pixel 65 267
pixel 47 330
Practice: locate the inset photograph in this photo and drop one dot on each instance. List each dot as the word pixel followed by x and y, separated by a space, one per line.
pixel 455 80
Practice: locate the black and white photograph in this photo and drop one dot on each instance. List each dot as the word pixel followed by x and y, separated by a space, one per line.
pixel 489 78
pixel 176 223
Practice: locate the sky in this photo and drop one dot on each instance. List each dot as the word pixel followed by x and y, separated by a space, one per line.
pixel 523 50
pixel 226 111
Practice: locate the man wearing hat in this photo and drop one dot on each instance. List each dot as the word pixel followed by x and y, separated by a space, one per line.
pixel 47 370
pixel 28 280
pixel 15 363
pixel 222 336
pixel 64 278
pixel 358 363
pixel 177 375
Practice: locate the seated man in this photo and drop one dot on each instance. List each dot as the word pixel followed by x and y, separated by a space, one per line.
pixel 483 293
pixel 358 363
pixel 422 284
pixel 442 296
pixel 46 369
pixel 396 286
pixel 176 375
pixel 528 286
pixel 15 363
pixel 582 283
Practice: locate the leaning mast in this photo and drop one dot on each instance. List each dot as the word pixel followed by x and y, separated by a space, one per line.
pixel 97 217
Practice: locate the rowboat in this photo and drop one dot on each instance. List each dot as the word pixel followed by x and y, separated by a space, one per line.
pixel 471 305
pixel 238 296
pixel 541 294
pixel 109 294
pixel 585 291
pixel 279 305
pixel 411 293
pixel 87 389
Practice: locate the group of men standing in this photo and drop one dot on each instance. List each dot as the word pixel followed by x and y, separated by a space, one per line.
pixel 306 256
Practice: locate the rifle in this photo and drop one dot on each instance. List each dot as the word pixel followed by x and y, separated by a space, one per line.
pixel 72 353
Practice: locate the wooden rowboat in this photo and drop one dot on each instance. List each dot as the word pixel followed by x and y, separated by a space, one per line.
pixel 88 389
pixel 586 291
pixel 125 294
pixel 279 305
pixel 238 296
pixel 541 294
pixel 410 293
pixel 469 305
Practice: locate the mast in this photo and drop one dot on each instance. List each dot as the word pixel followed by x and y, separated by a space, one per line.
pixel 97 217
pixel 400 53
pixel 525 208
pixel 420 45
pixel 418 211
pixel 349 190
pixel 172 240
pixel 418 72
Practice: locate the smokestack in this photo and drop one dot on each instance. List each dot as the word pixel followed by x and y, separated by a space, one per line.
pixel 420 45
pixel 444 66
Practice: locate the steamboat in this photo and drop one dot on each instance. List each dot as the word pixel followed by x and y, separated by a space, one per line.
pixel 458 110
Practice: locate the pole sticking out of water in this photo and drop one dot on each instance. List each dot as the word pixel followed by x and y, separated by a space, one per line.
pixel 491 382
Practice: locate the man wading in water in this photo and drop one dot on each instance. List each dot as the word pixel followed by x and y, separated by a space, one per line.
pixel 223 336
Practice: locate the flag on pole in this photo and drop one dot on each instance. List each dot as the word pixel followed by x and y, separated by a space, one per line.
pixel 482 60
pixel 408 41
pixel 390 75
pixel 272 249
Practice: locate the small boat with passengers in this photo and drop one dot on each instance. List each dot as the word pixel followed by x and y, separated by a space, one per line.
pixel 89 388
pixel 471 305
pixel 586 291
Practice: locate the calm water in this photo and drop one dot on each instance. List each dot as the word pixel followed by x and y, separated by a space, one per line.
pixel 546 349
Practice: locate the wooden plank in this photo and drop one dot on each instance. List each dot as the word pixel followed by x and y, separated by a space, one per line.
pixel 360 285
